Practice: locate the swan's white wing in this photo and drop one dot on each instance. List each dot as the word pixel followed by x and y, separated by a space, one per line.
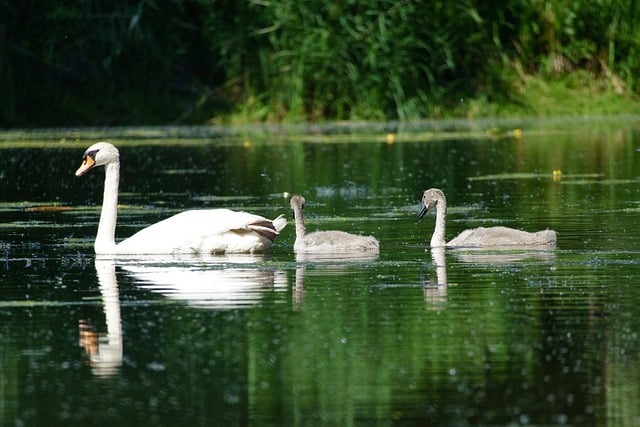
pixel 203 231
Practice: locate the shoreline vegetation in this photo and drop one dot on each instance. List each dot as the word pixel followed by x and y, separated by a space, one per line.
pixel 258 134
pixel 197 62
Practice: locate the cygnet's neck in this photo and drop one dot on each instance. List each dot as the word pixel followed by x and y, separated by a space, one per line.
pixel 438 237
pixel 105 239
pixel 299 220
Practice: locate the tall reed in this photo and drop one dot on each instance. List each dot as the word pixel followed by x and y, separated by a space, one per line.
pixel 186 61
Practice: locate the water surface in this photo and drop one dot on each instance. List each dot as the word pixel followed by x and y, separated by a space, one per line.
pixel 410 337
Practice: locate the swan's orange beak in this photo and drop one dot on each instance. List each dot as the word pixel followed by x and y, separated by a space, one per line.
pixel 87 163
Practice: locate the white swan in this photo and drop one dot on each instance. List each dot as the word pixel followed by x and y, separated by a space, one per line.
pixel 327 241
pixel 209 231
pixel 481 236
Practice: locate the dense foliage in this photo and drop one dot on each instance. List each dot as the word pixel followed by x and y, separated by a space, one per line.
pixel 96 62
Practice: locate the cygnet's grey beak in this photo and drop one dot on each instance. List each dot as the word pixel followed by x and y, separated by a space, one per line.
pixel 423 211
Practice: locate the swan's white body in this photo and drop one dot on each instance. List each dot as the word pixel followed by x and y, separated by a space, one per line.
pixel 481 236
pixel 327 241
pixel 208 231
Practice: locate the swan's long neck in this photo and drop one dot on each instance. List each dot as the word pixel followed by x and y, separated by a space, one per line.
pixel 297 213
pixel 438 237
pixel 105 239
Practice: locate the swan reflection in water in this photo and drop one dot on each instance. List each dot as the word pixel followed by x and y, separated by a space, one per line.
pixel 228 282
pixel 503 256
pixel 104 350
pixel 435 293
pixel 220 282
pixel 330 262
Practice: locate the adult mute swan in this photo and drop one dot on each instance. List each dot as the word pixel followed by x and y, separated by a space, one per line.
pixel 481 236
pixel 208 231
pixel 327 241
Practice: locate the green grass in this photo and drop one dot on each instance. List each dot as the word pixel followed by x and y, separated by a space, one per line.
pixel 576 94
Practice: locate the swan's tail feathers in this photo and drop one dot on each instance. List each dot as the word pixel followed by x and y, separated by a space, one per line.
pixel 279 223
pixel 269 229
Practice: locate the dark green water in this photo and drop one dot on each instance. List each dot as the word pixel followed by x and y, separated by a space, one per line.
pixel 534 338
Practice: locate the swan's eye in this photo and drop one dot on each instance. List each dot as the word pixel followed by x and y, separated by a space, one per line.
pixel 91 154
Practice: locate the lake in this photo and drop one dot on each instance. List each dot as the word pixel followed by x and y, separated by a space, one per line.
pixel 409 337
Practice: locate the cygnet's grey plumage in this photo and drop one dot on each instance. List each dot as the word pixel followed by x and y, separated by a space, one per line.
pixel 327 241
pixel 481 236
